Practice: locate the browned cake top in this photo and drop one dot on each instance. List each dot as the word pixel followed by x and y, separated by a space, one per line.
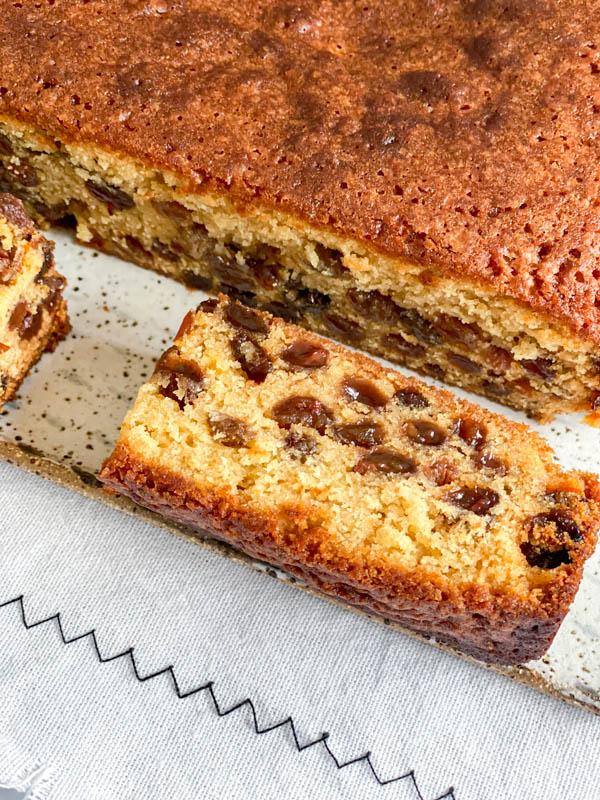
pixel 460 133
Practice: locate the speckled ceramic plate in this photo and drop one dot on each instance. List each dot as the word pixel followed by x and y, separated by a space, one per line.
pixel 70 409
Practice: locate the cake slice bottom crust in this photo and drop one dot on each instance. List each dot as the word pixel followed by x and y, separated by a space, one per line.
pixel 491 627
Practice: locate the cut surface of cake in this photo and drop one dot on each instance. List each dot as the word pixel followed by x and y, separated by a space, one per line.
pixel 417 179
pixel 33 312
pixel 373 487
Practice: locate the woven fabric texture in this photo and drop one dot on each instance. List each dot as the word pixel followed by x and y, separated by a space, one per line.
pixel 77 722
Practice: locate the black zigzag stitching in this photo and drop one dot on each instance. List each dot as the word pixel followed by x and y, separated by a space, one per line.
pixel 221 712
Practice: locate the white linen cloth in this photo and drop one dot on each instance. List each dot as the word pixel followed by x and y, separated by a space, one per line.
pixel 73 727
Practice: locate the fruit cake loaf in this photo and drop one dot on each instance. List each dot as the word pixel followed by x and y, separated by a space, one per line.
pixel 418 179
pixel 33 312
pixel 371 486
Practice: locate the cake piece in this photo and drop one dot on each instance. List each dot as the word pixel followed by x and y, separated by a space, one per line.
pixel 373 487
pixel 33 312
pixel 416 179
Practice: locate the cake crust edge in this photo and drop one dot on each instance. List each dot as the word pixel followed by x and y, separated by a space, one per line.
pixel 491 627
pixel 579 330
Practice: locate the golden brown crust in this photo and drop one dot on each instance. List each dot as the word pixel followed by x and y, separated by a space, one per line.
pixel 492 627
pixel 461 135
pixel 61 327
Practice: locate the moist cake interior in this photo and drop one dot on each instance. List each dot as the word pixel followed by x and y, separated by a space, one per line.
pixel 32 311
pixel 392 471
pixel 449 329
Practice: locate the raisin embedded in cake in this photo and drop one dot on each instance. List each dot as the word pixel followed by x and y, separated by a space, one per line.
pixel 371 486
pixel 441 215
pixel 33 313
